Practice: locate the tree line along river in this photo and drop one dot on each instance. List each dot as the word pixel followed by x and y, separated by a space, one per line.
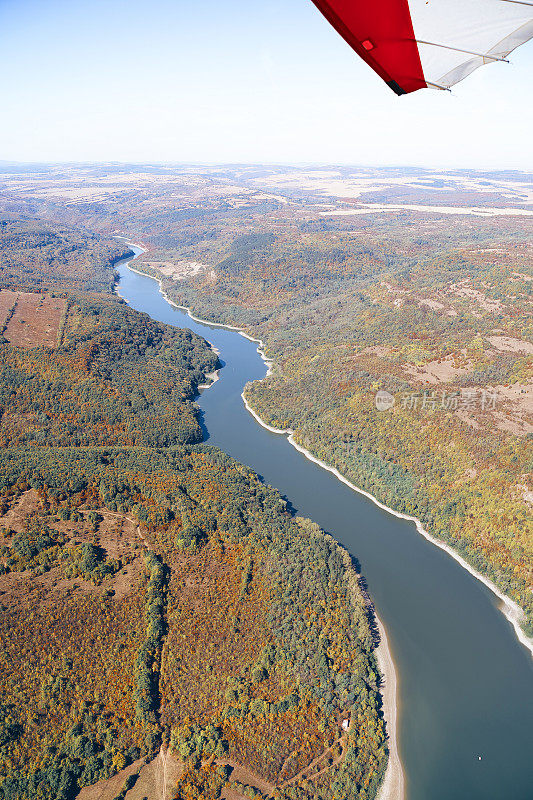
pixel 465 682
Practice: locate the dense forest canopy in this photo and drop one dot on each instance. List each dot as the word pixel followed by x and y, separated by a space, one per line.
pixel 41 256
pixel 117 378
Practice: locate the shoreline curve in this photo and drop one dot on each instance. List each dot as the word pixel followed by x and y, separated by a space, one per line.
pixel 511 610
pixel 393 784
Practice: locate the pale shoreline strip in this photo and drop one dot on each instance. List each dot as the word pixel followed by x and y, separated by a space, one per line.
pixel 393 784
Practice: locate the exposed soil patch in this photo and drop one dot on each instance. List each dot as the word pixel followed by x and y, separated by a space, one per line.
pixel 35 319
pixel 436 306
pixel 509 345
pixel 465 290
pixel 515 411
pixel 117 535
pixel 157 781
pixel 439 371
pixel 378 351
pixel 181 270
pixel 109 789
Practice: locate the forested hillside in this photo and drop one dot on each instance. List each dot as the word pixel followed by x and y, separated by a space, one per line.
pixel 353 295
pixel 427 300
pixel 117 378
pixel 46 257
pixel 232 631
pixel 155 596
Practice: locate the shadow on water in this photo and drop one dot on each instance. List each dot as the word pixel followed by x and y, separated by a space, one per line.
pixel 203 426
pixel 293 511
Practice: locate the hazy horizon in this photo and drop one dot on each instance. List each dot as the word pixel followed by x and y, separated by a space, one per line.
pixel 270 164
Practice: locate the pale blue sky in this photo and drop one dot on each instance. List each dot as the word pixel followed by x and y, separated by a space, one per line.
pixel 239 81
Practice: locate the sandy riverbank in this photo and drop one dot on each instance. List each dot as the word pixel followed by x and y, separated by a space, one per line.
pixel 212 378
pixel 393 786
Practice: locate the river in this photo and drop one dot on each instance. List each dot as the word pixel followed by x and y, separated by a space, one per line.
pixel 465 681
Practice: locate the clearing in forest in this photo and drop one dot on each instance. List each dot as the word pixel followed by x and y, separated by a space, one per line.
pixel 30 319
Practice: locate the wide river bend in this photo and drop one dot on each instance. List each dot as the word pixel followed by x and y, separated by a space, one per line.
pixel 465 681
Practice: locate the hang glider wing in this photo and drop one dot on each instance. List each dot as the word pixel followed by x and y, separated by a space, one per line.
pixel 414 44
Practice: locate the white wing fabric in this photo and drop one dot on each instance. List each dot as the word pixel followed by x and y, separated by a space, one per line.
pixel 482 31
